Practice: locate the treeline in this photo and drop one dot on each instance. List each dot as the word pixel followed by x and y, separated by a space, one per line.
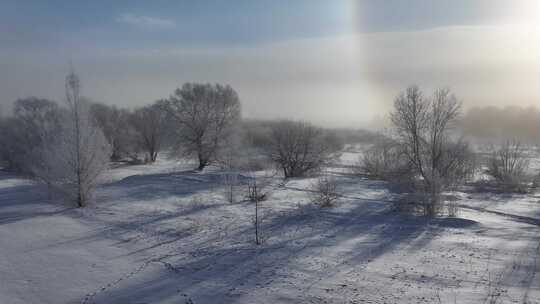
pixel 195 121
pixel 67 146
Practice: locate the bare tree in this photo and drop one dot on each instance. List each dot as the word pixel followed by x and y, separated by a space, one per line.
pixel 204 115
pixel 255 196
pixel 35 113
pixel 149 125
pixel 258 190
pixel 114 123
pixel 80 153
pixel 508 165
pixel 298 148
pixel 423 128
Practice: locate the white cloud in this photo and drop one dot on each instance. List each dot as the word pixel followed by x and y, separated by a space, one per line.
pixel 146 21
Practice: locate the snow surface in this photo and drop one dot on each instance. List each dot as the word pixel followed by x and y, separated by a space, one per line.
pixel 165 234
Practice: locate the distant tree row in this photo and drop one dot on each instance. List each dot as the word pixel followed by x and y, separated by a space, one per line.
pixel 495 123
pixel 68 146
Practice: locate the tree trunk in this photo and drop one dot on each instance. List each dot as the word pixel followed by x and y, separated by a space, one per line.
pixel 202 164
pixel 80 202
pixel 153 156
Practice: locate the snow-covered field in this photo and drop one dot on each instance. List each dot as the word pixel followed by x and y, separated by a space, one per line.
pixel 164 234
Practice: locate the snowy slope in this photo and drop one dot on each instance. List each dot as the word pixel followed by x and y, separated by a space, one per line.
pixel 164 234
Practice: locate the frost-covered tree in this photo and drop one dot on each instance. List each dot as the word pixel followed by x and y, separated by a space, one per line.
pixel 204 115
pixel 11 150
pixel 73 162
pixel 149 125
pixel 299 148
pixel 23 133
pixel 114 122
pixel 423 127
pixel 35 113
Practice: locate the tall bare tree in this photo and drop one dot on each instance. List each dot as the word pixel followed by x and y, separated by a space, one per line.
pixel 204 115
pixel 423 128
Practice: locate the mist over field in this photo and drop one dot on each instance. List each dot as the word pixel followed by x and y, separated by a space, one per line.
pixel 337 65
pixel 268 151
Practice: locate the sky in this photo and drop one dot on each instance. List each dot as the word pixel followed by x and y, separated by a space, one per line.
pixel 336 63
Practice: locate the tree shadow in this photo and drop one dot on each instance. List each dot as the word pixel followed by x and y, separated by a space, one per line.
pixel 22 199
pixel 141 227
pixel 300 243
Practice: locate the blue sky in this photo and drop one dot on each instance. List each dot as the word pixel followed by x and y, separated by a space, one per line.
pixel 123 23
pixel 244 22
pixel 280 55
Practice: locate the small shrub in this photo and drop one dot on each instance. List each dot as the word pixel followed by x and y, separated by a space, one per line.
pixel 325 191
pixel 508 166
pixel 299 148
pixel 384 160
pixel 255 193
